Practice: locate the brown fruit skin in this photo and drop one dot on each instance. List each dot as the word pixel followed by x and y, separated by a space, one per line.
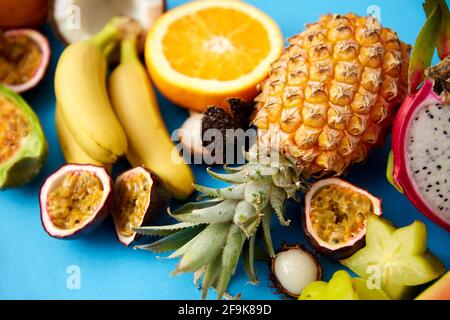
pixel 23 13
pixel 341 253
pixel 100 216
pixel 274 280
pixel 159 198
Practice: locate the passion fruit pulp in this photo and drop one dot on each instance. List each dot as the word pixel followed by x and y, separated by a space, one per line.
pixel 75 200
pixel 23 147
pixel 336 215
pixel 24 59
pixel 139 196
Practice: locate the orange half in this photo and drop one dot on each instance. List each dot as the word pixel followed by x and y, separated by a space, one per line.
pixel 201 53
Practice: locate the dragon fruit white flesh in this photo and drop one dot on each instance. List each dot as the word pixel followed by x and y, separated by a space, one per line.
pixel 419 165
pixel 421 150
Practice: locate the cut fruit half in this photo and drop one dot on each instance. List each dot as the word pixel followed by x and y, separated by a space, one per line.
pixel 75 200
pixel 23 147
pixel 24 59
pixel 201 53
pixel 140 196
pixel 76 20
pixel 336 215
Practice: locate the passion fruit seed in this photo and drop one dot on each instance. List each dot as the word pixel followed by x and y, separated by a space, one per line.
pixel 339 214
pixel 13 128
pixel 20 57
pixel 79 195
pixel 131 203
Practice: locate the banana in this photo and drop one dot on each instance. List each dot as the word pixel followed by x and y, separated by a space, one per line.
pixel 80 88
pixel 72 152
pixel 136 107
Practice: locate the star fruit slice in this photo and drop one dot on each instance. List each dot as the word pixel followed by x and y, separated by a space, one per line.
pixel 398 256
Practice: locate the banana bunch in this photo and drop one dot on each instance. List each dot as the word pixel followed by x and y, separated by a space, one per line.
pixel 98 127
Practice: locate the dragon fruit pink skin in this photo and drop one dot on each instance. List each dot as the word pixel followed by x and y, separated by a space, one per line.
pixel 401 170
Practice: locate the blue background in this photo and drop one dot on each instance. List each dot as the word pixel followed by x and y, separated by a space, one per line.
pixel 34 266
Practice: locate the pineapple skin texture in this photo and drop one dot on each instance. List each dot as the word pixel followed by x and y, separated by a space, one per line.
pixel 333 93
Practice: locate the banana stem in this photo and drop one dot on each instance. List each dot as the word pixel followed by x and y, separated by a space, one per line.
pixel 128 50
pixel 106 36
pixel 116 29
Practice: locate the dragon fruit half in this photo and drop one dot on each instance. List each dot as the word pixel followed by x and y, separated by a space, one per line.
pixel 419 164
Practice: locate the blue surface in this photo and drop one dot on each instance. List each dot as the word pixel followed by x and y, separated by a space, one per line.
pixel 35 266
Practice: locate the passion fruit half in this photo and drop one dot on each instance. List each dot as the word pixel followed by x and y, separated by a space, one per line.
pixel 335 216
pixel 23 147
pixel 139 196
pixel 75 200
pixel 24 59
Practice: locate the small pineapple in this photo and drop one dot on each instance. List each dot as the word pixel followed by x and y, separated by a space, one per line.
pixel 332 94
pixel 327 102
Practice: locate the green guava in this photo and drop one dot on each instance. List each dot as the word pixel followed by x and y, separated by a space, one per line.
pixel 23 147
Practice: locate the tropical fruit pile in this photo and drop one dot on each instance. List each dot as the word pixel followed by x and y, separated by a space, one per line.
pixel 318 106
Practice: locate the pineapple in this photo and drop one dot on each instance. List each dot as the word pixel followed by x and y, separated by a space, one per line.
pixel 332 94
pixel 327 102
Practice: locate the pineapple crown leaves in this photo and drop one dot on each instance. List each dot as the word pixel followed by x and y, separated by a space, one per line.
pixel 211 235
pixel 434 33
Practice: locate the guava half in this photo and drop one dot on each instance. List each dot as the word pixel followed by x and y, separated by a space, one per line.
pixel 23 147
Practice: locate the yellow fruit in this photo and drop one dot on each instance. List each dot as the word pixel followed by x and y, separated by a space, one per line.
pixel 73 153
pixel 135 105
pixel 83 100
pixel 333 93
pixel 201 53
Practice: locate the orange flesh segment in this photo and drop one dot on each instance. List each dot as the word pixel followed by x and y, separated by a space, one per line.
pixel 79 195
pixel 339 214
pixel 13 128
pixel 20 57
pixel 216 44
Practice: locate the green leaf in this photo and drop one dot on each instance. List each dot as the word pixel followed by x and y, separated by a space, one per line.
pixel 424 49
pixel 249 261
pixel 246 217
pixel 206 247
pixel 181 251
pixel 165 230
pixel 211 275
pixel 267 234
pixel 235 192
pixel 278 199
pixel 258 195
pixel 443 37
pixel 230 257
pixel 221 212
pixel 173 241
pixel 235 178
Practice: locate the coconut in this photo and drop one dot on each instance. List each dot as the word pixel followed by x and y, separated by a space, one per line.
pixel 76 20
